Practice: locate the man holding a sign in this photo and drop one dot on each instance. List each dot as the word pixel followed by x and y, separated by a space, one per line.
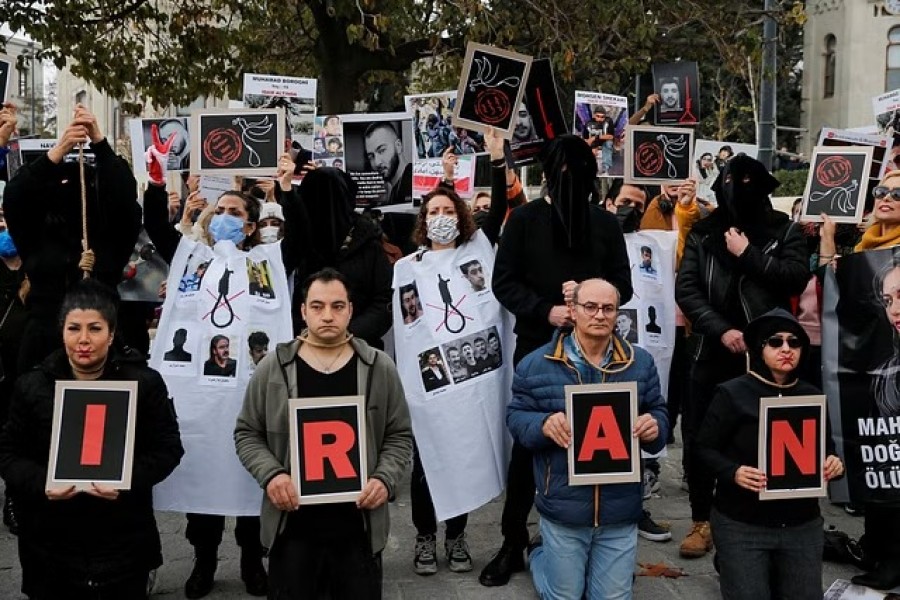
pixel 587 530
pixel 308 523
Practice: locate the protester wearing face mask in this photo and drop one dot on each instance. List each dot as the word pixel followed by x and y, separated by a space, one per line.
pixel 271 223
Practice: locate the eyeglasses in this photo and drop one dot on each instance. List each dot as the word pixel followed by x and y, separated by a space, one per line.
pixel 776 341
pixel 592 308
pixel 882 192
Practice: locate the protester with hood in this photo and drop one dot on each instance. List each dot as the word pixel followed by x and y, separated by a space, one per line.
pixel 739 262
pixel 770 549
pixel 561 237
pixel 42 205
pixel 323 230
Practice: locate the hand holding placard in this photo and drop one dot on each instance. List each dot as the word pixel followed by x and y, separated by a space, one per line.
pixel 556 428
pixel 283 493
pixel 374 494
pixel 646 428
pixel 834 468
pixel 750 478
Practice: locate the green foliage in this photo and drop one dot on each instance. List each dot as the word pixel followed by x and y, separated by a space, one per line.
pixel 793 183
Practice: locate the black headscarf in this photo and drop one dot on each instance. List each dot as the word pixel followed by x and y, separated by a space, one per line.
pixel 744 204
pixel 762 328
pixel 571 169
pixel 328 196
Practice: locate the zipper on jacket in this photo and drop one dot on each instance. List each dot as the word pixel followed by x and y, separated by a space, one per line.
pixel 547 477
pixel 596 506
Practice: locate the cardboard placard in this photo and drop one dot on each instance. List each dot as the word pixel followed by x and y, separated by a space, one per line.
pixel 30 149
pixel 605 132
pixel 491 88
pixel 377 152
pixel 678 86
pixel 141 132
pixel 92 436
pixel 792 447
pixel 328 448
pixel 658 155
pixel 882 145
pixel 837 184
pixel 601 418
pixel 539 118
pixel 887 112
pixel 295 95
pixel 237 142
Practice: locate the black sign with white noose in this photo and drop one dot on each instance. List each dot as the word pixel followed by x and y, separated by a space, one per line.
pixel 657 155
pixel 837 184
pixel 246 142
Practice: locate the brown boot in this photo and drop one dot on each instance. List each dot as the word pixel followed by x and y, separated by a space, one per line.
pixel 698 542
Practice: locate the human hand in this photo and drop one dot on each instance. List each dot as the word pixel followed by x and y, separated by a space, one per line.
pixel 8 121
pixel 268 188
pixel 651 100
pixel 193 183
pixel 559 316
pixel 493 143
pixel 174 204
pixel 646 428
pixel 828 229
pixel 195 203
pixel 733 339
pixel 162 289
pixel 448 163
pixel 833 468
pixel 73 135
pixel 568 290
pixel 157 155
pixel 103 491
pixel 750 478
pixel 282 492
pixel 62 493
pixel 87 118
pixel 373 495
pixel 285 172
pixel 686 192
pixel 556 428
pixel 736 241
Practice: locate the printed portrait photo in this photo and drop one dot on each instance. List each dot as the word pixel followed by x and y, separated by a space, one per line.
pixel 434 375
pixel 626 324
pixel 473 271
pixel 219 362
pixel 410 303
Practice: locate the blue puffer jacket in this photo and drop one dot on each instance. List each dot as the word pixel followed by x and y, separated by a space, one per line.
pixel 538 392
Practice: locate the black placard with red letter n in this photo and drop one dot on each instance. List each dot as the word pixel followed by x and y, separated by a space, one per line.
pixel 328 448
pixel 601 417
pixel 92 436
pixel 792 447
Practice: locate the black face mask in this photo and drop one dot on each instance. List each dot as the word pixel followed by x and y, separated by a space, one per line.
pixel 629 218
pixel 480 217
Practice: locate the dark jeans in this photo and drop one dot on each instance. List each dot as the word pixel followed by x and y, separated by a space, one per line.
pixel 301 569
pixel 131 588
pixel 758 562
pixel 705 376
pixel 423 516
pixel 205 531
pixel 679 376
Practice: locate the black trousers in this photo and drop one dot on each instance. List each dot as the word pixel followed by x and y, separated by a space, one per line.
pixel 133 587
pixel 882 532
pixel 423 516
pixel 205 531
pixel 301 569
pixel 679 376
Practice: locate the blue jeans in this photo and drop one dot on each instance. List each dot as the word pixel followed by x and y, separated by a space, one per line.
pixel 758 562
pixel 607 155
pixel 600 559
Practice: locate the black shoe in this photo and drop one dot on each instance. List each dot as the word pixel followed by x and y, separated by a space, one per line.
pixel 200 583
pixel 9 516
pixel 254 576
pixel 885 577
pixel 508 560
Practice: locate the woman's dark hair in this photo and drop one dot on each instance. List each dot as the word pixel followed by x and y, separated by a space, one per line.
pixel 90 294
pixel 464 221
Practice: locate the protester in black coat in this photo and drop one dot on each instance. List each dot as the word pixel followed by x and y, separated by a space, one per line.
pixel 105 540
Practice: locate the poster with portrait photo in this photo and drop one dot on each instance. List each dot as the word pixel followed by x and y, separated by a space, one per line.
pixel 678 86
pixel 262 287
pixel 179 351
pixel 476 276
pixel 491 87
pixel 648 266
pixel 410 303
pixel 837 184
pixel 295 95
pixel 434 371
pixel 887 112
pixel 600 119
pixel 327 128
pixel 378 154
pixel 222 355
pixel 142 138
pixel 31 149
pixel 237 141
pixel 479 353
pixel 540 118
pixel 709 158
pixel 194 272
pixel 627 324
pixel 261 340
pixel 651 324
pixel 658 155
pixel 882 153
pixel 6 69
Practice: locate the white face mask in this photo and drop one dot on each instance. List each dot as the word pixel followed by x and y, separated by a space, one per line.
pixel 269 235
pixel 442 229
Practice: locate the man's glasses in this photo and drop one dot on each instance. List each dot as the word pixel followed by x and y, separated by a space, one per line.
pixel 776 341
pixel 882 192
pixel 592 308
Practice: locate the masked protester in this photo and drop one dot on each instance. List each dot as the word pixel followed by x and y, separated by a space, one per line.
pixel 546 243
pixel 740 262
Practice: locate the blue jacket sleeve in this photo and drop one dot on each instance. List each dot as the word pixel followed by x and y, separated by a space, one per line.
pixel 524 415
pixel 651 401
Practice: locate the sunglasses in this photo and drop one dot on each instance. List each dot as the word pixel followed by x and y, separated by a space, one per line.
pixel 776 341
pixel 884 192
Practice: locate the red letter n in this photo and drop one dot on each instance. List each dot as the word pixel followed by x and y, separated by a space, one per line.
pixel 803 453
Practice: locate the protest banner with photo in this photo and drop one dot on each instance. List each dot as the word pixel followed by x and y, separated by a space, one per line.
pixel 887 112
pixel 601 418
pixel 792 447
pixel 657 155
pixel 709 157
pixel 454 347
pixel 539 119
pixel 92 435
pixel 678 87
pixel 600 119
pixel 217 297
pixel 6 69
pixel 30 149
pixel 837 184
pixel 296 96
pixel 881 144
pixel 377 150
pixel 491 88
pixel 431 118
pixel 860 370
pixel 328 448
pixel 237 142
pixel 145 133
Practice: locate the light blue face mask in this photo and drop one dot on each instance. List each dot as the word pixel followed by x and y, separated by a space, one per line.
pixel 227 227
pixel 7 247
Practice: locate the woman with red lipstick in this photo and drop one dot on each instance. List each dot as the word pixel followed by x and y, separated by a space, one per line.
pixel 770 549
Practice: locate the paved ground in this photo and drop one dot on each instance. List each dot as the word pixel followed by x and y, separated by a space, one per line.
pixel 400 583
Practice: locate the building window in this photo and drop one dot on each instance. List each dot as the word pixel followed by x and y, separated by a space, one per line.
pixel 892 73
pixel 830 65
pixel 23 82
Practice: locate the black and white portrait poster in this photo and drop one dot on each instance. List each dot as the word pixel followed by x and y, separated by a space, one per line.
pixel 861 372
pixel 837 184
pixel 454 346
pixel 217 299
pixel 658 155
pixel 170 132
pixel 678 87
pixel 539 118
pixel 491 88
pixel 295 95
pixel 378 152
pixel 6 68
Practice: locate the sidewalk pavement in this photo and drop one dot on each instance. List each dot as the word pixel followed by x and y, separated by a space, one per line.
pixel 483 531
